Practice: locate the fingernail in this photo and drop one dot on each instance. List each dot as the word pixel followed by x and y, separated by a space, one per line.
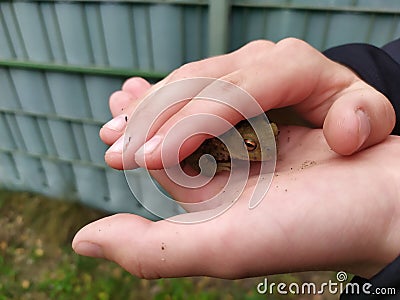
pixel 89 249
pixel 364 127
pixel 148 147
pixel 118 146
pixel 118 123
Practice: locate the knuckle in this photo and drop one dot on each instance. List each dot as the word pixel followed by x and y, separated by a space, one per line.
pixel 116 95
pixel 187 70
pixel 127 82
pixel 291 41
pixel 294 45
pixel 257 46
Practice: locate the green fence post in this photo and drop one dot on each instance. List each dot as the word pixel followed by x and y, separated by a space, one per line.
pixel 218 21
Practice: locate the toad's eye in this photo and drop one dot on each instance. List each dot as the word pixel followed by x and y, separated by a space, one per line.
pixel 250 145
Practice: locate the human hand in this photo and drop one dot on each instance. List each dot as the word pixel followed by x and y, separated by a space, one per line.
pixel 282 229
pixel 323 211
pixel 353 115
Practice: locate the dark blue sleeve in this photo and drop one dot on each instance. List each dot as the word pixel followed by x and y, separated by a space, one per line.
pixel 383 286
pixel 379 67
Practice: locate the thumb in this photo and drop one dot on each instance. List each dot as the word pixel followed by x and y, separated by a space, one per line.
pixel 147 249
pixel 357 120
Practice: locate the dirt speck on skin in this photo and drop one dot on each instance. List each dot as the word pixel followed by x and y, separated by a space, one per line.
pixel 308 163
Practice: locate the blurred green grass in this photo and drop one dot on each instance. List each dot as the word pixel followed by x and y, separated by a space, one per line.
pixel 37 262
